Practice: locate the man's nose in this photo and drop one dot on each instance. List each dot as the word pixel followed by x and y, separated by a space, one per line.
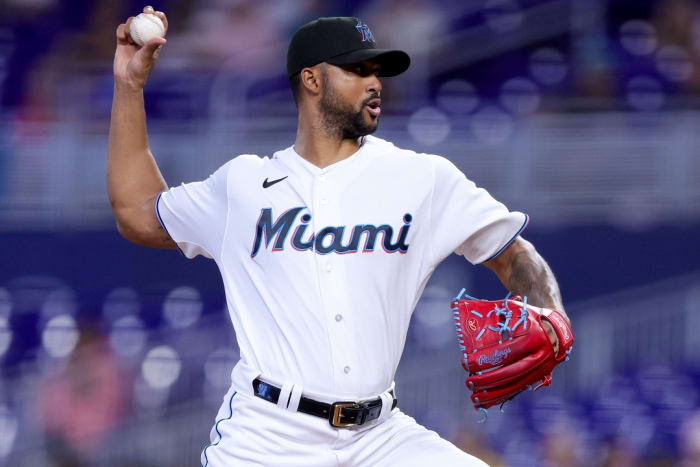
pixel 374 86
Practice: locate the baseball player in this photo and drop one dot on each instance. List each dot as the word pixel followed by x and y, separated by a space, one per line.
pixel 324 249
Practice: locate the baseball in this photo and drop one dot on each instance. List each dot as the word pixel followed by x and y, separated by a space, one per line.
pixel 145 27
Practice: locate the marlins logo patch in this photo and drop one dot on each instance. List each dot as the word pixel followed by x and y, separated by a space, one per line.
pixel 363 29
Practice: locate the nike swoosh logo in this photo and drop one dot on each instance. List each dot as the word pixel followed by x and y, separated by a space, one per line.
pixel 267 184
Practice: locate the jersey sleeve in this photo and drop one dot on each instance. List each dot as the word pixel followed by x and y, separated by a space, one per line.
pixel 194 214
pixel 466 219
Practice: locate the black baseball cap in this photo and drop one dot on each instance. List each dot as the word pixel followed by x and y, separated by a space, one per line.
pixel 341 41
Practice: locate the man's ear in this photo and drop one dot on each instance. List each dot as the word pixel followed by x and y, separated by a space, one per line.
pixel 311 79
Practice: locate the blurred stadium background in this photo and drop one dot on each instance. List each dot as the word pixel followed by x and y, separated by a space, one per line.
pixel 582 113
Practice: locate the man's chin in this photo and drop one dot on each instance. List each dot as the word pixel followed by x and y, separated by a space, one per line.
pixel 361 127
pixel 371 125
pixel 367 131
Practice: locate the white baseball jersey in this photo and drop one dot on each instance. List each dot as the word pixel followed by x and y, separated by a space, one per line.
pixel 323 267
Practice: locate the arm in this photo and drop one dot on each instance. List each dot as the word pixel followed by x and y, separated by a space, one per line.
pixel 524 272
pixel 133 178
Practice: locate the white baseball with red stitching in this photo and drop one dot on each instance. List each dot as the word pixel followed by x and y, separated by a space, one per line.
pixel 145 27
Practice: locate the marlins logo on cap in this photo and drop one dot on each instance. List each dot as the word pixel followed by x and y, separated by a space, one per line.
pixel 364 30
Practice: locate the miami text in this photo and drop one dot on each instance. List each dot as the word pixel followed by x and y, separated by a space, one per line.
pixel 291 227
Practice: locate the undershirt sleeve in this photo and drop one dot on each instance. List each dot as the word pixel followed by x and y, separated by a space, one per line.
pixel 466 219
pixel 194 214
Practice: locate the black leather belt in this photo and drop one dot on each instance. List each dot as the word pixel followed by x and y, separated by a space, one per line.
pixel 338 414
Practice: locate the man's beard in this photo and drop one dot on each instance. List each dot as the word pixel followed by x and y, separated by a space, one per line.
pixel 340 118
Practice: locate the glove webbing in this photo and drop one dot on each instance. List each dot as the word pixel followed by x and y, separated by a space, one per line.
pixel 503 329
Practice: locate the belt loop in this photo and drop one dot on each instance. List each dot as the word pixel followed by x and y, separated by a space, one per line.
pixel 294 398
pixel 285 393
pixel 387 401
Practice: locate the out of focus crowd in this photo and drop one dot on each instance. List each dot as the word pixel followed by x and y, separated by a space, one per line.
pixel 93 378
pixel 523 55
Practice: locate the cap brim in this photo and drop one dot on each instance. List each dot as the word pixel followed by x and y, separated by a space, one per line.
pixel 391 62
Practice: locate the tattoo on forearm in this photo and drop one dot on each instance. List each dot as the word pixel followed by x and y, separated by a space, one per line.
pixel 165 237
pixel 531 276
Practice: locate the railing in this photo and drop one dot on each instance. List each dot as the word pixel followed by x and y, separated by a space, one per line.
pixel 611 168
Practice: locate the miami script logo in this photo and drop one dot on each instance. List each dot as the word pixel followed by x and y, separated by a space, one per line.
pixel 290 229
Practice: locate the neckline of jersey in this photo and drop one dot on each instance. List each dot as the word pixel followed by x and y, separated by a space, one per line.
pixel 316 170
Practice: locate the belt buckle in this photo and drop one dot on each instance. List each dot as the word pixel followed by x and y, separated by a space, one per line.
pixel 335 413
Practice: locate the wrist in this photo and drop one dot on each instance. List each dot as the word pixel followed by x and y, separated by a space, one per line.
pixel 127 87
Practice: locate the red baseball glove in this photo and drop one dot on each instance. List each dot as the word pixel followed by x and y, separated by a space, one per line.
pixel 506 348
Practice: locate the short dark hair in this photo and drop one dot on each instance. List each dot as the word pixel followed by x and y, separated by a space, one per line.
pixel 295 83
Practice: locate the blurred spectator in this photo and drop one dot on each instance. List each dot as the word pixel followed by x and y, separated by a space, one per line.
pixel 594 68
pixel 291 15
pixel 472 441
pixel 34 26
pixel 674 20
pixel 83 403
pixel 678 26
pixel 95 40
pixel 690 441
pixel 617 453
pixel 561 447
pixel 238 33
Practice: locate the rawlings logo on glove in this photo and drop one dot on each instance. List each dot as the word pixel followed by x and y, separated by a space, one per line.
pixel 505 346
pixel 494 359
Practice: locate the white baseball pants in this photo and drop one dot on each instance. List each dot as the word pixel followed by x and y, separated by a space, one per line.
pixel 250 431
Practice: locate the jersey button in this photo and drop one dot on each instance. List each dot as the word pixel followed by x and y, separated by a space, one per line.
pixel 324 202
pixel 322 178
pixel 346 370
pixel 329 267
pixel 338 317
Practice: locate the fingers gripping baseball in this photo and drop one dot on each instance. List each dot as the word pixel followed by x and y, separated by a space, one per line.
pixel 133 63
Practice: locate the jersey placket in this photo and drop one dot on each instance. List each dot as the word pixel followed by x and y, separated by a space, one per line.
pixel 333 282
